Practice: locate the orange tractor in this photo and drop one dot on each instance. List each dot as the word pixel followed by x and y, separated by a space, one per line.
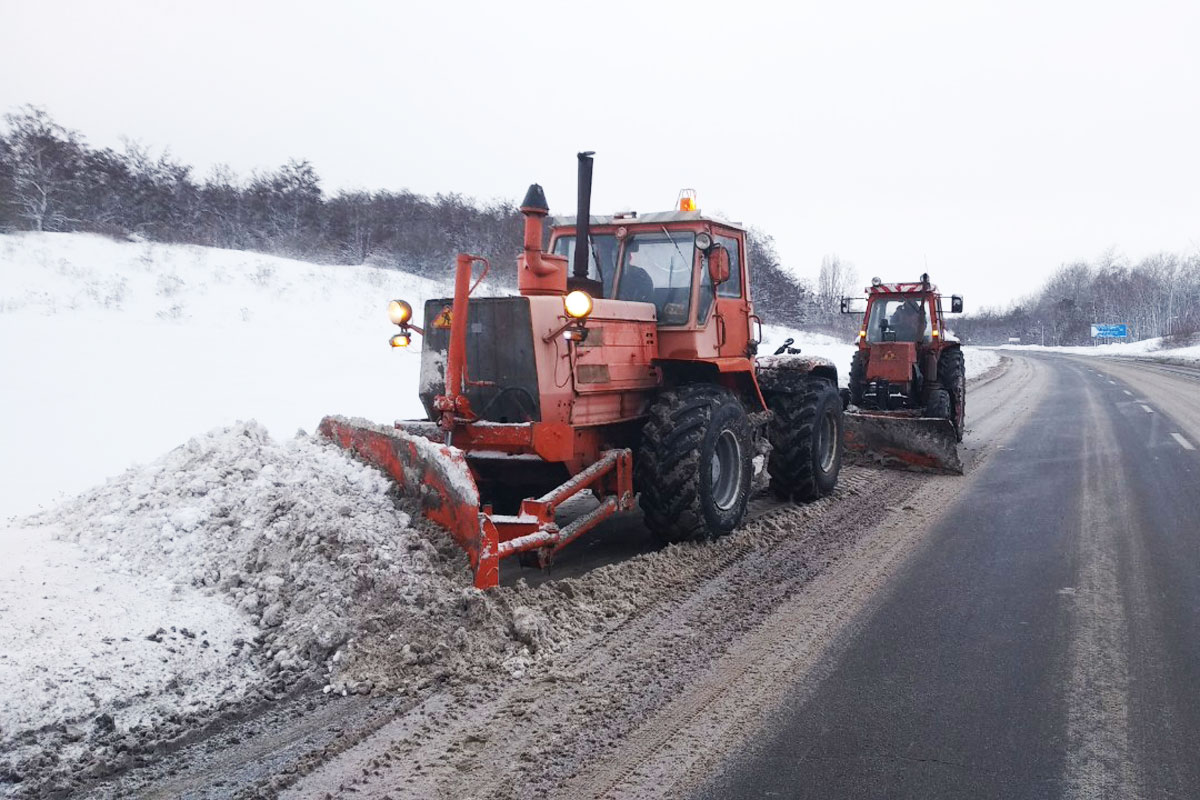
pixel 633 374
pixel 907 378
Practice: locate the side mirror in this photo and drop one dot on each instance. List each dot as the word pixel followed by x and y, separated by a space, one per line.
pixel 955 304
pixel 854 305
pixel 718 264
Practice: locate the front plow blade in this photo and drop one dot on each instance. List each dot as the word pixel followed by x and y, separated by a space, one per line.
pixel 921 443
pixel 435 475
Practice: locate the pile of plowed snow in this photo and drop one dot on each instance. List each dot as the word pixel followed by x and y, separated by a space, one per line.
pixel 295 557
pixel 305 541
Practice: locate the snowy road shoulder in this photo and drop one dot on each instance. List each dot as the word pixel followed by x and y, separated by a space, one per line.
pixel 94 650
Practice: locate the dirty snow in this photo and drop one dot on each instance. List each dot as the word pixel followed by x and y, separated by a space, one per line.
pixel 234 568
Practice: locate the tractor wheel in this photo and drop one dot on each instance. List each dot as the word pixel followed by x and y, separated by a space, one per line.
pixel 858 377
pixel 806 441
pixel 952 375
pixel 693 466
pixel 939 404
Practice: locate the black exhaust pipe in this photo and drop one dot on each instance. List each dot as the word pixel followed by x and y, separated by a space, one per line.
pixel 583 217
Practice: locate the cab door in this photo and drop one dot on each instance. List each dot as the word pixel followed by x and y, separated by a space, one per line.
pixel 733 304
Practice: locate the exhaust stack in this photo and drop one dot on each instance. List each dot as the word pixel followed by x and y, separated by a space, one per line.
pixel 583 230
pixel 583 215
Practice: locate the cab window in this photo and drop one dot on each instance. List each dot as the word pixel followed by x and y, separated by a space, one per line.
pixel 604 248
pixel 733 286
pixel 657 268
pixel 900 320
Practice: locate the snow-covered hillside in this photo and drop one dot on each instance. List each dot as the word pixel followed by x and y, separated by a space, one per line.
pixel 114 352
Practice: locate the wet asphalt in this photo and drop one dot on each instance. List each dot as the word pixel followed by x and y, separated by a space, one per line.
pixel 1045 640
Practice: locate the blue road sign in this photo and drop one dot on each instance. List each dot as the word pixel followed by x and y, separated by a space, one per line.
pixel 1120 331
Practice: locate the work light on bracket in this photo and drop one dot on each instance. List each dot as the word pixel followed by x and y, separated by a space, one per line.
pixel 578 304
pixel 577 307
pixel 400 313
pixel 704 240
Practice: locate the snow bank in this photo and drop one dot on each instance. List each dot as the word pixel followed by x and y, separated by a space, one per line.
pixel 1156 348
pixel 233 568
pixel 117 351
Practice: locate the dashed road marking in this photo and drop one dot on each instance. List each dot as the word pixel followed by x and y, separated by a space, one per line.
pixel 1146 408
pixel 1126 391
pixel 1184 443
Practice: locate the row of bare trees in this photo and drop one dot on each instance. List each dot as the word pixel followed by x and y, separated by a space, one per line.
pixel 1156 296
pixel 51 179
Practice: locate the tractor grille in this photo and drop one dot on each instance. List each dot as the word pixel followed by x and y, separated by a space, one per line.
pixel 499 353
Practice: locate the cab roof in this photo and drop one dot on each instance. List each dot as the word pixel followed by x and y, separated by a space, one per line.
pixel 650 218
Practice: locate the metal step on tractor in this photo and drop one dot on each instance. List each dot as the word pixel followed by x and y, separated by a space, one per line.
pixel 626 366
pixel 906 403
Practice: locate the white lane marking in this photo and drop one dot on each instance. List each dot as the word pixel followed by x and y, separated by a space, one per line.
pixel 1126 391
pixel 1114 383
pixel 1184 443
pixel 1146 408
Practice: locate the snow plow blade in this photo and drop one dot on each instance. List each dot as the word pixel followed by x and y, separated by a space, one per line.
pixel 435 475
pixel 440 479
pixel 902 440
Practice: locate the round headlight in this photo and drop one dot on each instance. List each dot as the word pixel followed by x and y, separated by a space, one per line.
pixel 400 340
pixel 703 240
pixel 876 282
pixel 399 312
pixel 578 304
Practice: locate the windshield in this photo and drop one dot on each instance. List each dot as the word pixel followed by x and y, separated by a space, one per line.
pixel 657 268
pixel 898 321
pixel 604 246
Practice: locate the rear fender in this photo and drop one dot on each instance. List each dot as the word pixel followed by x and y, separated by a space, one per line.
pixel 788 373
pixel 742 382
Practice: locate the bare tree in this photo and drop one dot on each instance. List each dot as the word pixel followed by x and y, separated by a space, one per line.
pixel 45 167
pixel 836 280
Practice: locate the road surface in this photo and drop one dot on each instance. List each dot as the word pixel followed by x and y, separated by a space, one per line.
pixel 1045 641
pixel 1029 629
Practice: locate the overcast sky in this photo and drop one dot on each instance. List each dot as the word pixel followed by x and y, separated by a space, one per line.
pixel 992 141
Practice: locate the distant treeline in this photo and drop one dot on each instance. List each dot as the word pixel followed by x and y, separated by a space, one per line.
pixel 51 179
pixel 1157 296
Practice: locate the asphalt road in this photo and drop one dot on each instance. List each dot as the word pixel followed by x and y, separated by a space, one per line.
pixel 1044 640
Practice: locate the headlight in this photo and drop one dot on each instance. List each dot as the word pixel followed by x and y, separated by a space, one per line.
pixel 399 312
pixel 703 240
pixel 400 340
pixel 578 304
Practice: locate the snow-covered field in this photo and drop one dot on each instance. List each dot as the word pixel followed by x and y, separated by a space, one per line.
pixel 218 555
pixel 1157 349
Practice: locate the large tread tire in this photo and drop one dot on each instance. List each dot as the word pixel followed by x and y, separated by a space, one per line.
pixel 858 377
pixel 939 404
pixel 806 441
pixel 952 375
pixel 674 469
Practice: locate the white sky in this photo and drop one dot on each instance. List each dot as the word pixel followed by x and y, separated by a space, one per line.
pixel 993 141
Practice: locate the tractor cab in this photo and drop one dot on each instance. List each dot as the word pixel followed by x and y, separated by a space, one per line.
pixel 689 266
